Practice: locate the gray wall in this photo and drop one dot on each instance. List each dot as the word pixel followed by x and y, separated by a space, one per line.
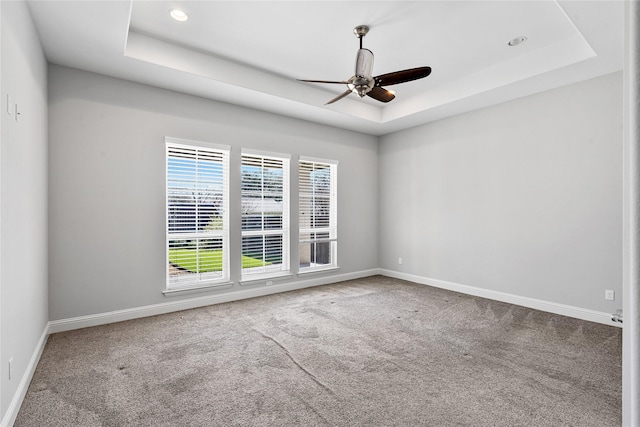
pixel 107 185
pixel 23 197
pixel 522 198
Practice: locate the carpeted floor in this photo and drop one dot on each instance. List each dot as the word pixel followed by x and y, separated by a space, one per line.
pixel 368 352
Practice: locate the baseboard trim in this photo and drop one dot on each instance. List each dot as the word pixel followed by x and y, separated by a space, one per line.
pixel 550 307
pixel 189 303
pixel 186 304
pixel 14 407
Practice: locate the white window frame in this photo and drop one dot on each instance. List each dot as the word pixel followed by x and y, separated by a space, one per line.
pixel 283 269
pixel 198 151
pixel 308 261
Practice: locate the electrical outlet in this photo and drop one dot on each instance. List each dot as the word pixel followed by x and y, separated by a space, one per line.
pixel 10 368
pixel 400 261
pixel 609 295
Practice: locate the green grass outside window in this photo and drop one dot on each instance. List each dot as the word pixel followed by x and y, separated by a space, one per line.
pixel 210 260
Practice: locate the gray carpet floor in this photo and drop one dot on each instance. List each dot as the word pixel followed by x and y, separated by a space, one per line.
pixel 367 352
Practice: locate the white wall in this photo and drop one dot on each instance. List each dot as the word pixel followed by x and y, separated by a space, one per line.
pixel 107 185
pixel 522 198
pixel 23 200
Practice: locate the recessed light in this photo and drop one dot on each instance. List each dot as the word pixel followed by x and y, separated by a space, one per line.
pixel 517 41
pixel 179 15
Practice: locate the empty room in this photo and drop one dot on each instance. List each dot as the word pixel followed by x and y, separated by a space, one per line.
pixel 264 213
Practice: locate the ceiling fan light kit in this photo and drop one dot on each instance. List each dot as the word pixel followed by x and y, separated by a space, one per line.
pixel 362 83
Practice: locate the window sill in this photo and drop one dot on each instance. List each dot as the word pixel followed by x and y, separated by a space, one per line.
pixel 265 278
pixel 318 270
pixel 194 289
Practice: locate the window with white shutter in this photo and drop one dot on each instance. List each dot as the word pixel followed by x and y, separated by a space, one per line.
pixel 317 212
pixel 197 214
pixel 265 214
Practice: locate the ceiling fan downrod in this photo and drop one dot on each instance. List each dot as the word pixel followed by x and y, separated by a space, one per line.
pixel 362 82
pixel 360 31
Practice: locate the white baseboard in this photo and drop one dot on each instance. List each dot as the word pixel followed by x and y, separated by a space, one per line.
pixel 14 407
pixel 186 304
pixel 550 307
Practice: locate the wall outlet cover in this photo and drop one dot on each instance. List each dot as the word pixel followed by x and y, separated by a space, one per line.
pixel 609 295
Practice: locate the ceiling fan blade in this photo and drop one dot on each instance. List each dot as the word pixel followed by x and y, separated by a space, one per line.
pixel 380 94
pixel 322 81
pixel 402 76
pixel 339 97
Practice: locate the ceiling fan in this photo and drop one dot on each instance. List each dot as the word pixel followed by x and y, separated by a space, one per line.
pixel 362 83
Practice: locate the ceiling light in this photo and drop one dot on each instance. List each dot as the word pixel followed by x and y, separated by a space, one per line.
pixel 517 41
pixel 179 15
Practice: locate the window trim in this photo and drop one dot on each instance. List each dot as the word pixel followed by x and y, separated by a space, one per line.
pixel 285 231
pixel 200 284
pixel 268 279
pixel 333 217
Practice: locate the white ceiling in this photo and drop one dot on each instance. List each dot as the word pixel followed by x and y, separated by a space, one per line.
pixel 250 53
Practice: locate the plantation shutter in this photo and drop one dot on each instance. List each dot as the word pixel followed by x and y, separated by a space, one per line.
pixel 197 206
pixel 265 214
pixel 317 214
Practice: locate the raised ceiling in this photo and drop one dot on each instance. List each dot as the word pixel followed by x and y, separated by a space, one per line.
pixel 251 53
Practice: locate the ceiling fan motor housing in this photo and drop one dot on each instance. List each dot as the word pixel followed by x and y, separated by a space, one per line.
pixel 362 82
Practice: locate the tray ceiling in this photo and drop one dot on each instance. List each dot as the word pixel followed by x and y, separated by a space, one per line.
pixel 251 53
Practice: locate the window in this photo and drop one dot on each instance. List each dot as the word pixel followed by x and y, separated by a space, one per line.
pixel 197 224
pixel 265 214
pixel 317 214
